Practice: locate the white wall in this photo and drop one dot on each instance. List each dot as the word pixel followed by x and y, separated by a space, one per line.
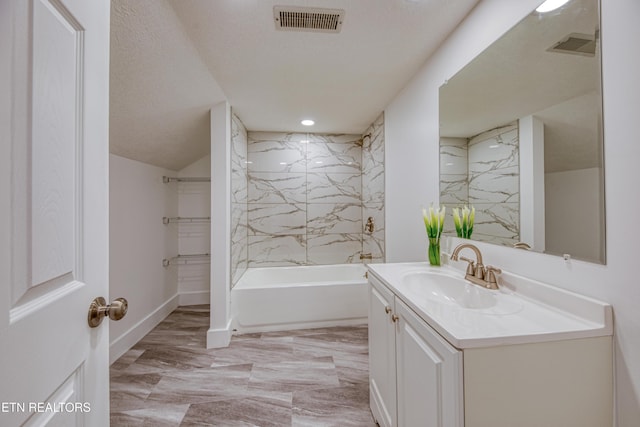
pixel 532 201
pixel 194 200
pixel 219 334
pixel 412 175
pixel 138 199
pixel 575 233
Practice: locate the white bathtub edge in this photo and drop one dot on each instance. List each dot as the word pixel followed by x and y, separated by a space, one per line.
pixel 279 308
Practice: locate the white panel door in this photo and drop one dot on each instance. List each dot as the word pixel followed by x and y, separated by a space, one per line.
pixel 54 87
pixel 429 382
pixel 382 354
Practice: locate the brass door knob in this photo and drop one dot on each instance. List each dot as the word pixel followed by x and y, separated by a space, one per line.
pixel 387 309
pixel 394 318
pixel 98 310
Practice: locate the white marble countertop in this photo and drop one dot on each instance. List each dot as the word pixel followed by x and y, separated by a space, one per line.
pixel 527 311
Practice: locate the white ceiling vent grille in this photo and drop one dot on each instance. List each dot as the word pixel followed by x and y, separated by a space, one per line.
pixel 576 44
pixel 308 19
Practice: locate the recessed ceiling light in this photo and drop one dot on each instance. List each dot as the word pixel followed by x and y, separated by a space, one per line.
pixel 308 122
pixel 550 5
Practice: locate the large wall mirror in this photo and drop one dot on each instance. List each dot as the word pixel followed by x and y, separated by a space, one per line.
pixel 521 136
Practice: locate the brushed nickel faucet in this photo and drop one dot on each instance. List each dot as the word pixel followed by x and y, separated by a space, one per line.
pixel 476 272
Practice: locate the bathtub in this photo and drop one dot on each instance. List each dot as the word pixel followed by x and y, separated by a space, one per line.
pixel 285 298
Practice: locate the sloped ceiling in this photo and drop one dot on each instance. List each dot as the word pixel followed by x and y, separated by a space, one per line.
pixel 517 76
pixel 160 89
pixel 171 60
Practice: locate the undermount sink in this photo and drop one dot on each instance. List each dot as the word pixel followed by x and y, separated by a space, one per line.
pixel 447 289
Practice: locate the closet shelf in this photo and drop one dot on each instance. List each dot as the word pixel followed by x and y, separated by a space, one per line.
pixel 167 179
pixel 186 220
pixel 187 259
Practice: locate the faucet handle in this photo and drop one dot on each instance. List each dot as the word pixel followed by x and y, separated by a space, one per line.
pixel 471 267
pixel 494 269
pixel 490 273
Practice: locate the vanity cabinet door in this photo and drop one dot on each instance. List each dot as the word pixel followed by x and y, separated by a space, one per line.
pixel 429 375
pixel 382 354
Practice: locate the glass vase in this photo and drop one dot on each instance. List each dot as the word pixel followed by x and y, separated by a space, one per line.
pixel 434 252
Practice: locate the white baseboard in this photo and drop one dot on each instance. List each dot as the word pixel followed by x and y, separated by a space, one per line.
pixel 291 326
pixel 195 298
pixel 127 340
pixel 219 338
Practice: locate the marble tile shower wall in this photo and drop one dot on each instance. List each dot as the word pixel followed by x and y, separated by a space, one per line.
pixel 494 184
pixel 484 172
pixel 304 199
pixel 454 176
pixel 239 192
pixel 373 188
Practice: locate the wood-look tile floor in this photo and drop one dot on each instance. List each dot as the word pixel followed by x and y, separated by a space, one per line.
pixel 313 377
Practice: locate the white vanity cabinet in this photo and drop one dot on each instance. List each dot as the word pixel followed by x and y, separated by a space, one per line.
pixel 419 378
pixel 415 375
pixel 382 354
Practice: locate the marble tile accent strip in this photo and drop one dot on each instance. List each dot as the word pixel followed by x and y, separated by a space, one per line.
pixel 313 377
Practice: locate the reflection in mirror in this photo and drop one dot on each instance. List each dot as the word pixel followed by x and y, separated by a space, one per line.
pixel 521 136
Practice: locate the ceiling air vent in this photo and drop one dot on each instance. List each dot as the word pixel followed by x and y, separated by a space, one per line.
pixel 576 44
pixel 308 19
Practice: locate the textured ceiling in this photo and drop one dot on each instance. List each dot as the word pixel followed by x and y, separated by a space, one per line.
pixel 172 59
pixel 160 89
